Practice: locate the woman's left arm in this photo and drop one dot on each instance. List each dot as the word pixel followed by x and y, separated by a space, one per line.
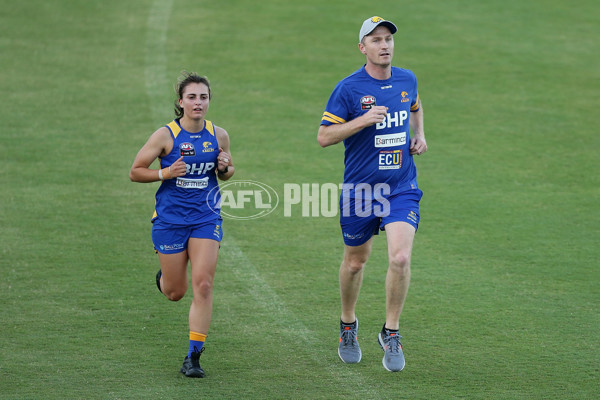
pixel 225 168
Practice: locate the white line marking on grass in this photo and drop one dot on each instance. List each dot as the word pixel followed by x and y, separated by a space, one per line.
pixel 268 300
pixel 156 57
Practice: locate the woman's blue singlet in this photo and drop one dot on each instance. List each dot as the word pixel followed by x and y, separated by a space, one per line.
pixel 194 198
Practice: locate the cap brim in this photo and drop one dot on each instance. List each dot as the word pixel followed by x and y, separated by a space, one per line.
pixel 389 24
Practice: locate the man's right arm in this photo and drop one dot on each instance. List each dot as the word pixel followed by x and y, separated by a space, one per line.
pixel 333 134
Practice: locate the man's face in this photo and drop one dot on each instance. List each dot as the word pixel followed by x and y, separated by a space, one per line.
pixel 378 46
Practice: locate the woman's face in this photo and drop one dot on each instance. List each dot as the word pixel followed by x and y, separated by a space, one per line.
pixel 195 100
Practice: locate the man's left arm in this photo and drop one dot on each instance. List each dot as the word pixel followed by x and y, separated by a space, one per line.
pixel 418 144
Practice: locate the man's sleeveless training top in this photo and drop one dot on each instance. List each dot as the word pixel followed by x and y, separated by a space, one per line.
pixel 190 199
pixel 379 153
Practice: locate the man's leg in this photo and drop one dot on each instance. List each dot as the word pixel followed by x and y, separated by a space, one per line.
pixel 351 275
pixel 400 238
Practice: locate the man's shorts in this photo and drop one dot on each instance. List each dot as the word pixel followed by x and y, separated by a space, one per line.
pixel 171 239
pixel 360 221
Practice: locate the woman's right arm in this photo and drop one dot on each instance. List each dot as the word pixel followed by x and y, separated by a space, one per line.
pixel 156 146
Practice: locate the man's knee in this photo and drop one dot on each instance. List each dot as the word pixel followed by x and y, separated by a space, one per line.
pixel 355 263
pixel 400 261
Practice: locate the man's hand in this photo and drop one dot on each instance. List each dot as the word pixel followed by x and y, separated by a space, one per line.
pixel 418 145
pixel 375 115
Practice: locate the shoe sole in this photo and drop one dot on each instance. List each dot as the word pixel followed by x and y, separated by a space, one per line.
pixel 380 340
pixel 192 374
pixel 351 362
pixel 195 375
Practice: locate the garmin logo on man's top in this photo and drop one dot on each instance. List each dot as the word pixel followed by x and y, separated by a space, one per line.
pixel 394 139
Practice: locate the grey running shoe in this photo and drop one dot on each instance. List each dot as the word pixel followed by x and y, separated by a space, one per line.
pixel 393 357
pixel 191 365
pixel 349 350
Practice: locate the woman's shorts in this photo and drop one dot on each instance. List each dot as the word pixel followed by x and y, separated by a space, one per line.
pixel 171 239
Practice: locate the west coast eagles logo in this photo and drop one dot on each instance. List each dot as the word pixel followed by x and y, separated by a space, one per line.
pixel 207 147
pixel 376 19
pixel 367 102
pixel 187 149
pixel 404 98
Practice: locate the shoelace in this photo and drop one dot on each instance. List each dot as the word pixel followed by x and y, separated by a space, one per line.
pixel 195 358
pixel 394 343
pixel 349 337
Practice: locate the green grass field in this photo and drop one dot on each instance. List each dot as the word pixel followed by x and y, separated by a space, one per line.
pixel 505 286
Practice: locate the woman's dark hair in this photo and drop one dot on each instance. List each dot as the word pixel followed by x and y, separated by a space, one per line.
pixel 186 79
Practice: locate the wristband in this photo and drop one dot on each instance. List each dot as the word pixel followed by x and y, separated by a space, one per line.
pixel 223 172
pixel 160 175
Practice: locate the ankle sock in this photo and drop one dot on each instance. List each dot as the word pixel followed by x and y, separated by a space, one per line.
pixel 352 324
pixel 386 331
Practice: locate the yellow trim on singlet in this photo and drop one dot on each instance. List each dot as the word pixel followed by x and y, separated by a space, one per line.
pixel 174 128
pixel 210 127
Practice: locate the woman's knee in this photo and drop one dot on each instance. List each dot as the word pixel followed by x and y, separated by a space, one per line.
pixel 203 286
pixel 175 293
